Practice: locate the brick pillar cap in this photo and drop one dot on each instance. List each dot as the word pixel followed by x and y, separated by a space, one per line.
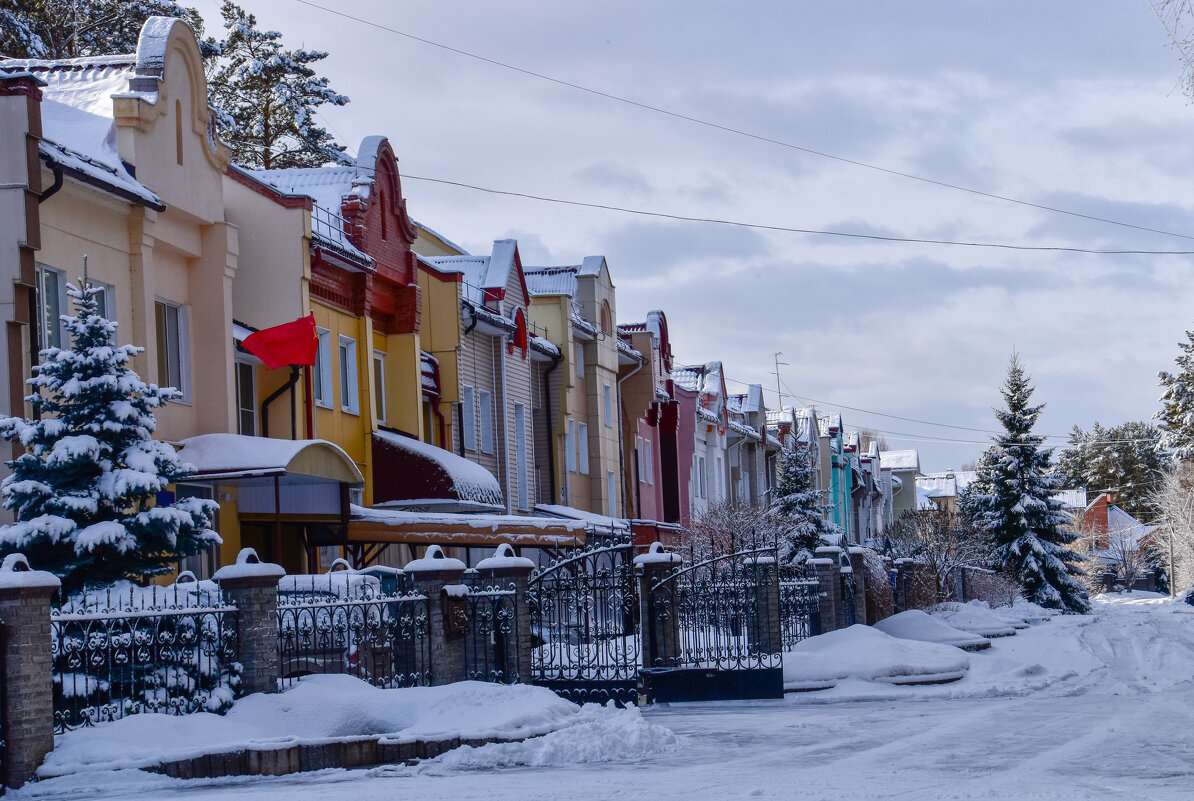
pixel 434 561
pixel 822 561
pixel 15 575
pixel 504 561
pixel 249 571
pixel 656 558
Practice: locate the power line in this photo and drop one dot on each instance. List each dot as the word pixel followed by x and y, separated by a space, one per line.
pixel 732 130
pixel 793 230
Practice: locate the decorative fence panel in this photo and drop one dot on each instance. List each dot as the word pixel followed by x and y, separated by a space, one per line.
pixel 143 649
pixel 354 628
pixel 585 624
pixel 799 604
pixel 491 641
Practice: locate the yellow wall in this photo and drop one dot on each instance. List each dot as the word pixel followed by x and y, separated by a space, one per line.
pixel 352 432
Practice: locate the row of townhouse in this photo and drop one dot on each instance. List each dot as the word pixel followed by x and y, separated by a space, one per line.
pixel 456 398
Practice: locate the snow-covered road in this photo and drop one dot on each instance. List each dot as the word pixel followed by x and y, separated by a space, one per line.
pixel 1078 708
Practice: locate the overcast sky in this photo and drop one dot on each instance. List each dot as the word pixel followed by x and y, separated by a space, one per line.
pixel 1073 104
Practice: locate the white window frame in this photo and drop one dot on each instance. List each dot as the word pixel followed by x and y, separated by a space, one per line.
pixel 579 357
pixel 521 455
pixel 350 389
pixel 321 378
pixel 183 334
pixel 649 460
pixel 45 325
pixel 485 404
pixel 570 446
pixel 582 445
pixel 468 414
pixel 608 396
pixel 638 458
pixel 379 385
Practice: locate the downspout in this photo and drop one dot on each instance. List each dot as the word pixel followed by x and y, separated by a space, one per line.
pixel 622 425
pixel 54 187
pixel 501 343
pixel 295 372
pixel 551 434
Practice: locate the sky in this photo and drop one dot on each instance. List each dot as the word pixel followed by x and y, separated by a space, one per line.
pixel 1074 104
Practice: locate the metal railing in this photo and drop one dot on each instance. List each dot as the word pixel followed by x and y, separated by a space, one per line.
pixel 127 649
pixel 491 640
pixel 799 604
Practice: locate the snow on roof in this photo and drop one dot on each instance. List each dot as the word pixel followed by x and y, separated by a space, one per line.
pixel 570 513
pixel 544 345
pixel 420 226
pixel 465 480
pixel 744 430
pixel 625 349
pixel 78 119
pixel 327 187
pixel 487 522
pixel 1072 498
pixel 551 280
pixel 924 500
pixel 829 422
pixel 239 456
pixel 937 485
pixel 480 272
pixel 900 460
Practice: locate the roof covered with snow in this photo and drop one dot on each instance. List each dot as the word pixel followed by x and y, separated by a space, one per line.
pixel 900 460
pixel 551 280
pixel 430 472
pixel 569 513
pixel 238 456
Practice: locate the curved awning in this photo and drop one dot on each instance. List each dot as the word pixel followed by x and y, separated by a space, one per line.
pixel 413 475
pixel 236 456
pixel 380 526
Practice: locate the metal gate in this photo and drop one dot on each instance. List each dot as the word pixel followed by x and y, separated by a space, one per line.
pixel 726 640
pixel 847 574
pixel 584 611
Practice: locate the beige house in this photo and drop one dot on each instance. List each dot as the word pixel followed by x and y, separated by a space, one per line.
pixel 574 307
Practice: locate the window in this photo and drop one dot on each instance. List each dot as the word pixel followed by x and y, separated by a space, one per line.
pixel 485 401
pixel 608 396
pixel 172 346
pixel 51 299
pixel 607 318
pixel 579 360
pixel 718 485
pixel 701 478
pixel 583 445
pixel 178 130
pixel 349 400
pixel 638 457
pixel 246 400
pixel 468 411
pixel 570 446
pixel 520 455
pixel 649 461
pixel 321 376
pixel 611 489
pixel 379 386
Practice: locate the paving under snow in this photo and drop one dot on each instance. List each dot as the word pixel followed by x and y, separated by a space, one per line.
pixel 1087 707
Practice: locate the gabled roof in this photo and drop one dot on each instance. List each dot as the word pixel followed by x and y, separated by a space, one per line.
pixel 486 276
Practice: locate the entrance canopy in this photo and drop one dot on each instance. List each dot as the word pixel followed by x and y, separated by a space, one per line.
pixel 378 526
pixel 220 457
pixel 415 476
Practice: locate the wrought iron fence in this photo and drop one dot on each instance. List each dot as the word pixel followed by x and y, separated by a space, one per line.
pixel 723 619
pixel 847 578
pixel 799 604
pixel 353 626
pixel 129 649
pixel 491 639
pixel 584 611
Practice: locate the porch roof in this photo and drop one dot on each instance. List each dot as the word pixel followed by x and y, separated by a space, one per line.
pixel 424 528
pixel 236 456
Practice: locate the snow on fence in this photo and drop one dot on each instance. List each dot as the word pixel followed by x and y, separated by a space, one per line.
pixel 373 627
pixel 127 649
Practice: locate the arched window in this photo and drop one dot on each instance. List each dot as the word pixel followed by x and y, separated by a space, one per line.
pixel 518 339
pixel 178 130
pixel 607 318
pixel 381 204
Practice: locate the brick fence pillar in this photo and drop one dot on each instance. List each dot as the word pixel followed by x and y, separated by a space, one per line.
pixel 252 586
pixel 834 553
pixel 858 562
pixel 504 568
pixel 27 680
pixel 830 590
pixel 766 628
pixel 658 616
pixel 438 577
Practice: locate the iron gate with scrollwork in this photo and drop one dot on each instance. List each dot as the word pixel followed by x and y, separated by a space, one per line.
pixel 799 603
pixel 585 633
pixel 847 578
pixel 726 639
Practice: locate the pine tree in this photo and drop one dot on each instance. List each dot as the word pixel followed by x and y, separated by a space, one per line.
pixel 73 28
pixel 797 508
pixel 1011 500
pixel 83 492
pixel 1126 460
pixel 1177 404
pixel 266 98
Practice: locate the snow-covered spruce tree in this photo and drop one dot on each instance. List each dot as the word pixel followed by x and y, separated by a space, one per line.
pixel 1177 404
pixel 72 28
pixel 1126 460
pixel 266 96
pixel 797 509
pixel 83 492
pixel 1011 500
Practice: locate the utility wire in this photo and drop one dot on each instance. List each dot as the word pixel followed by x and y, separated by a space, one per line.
pixel 793 230
pixel 730 129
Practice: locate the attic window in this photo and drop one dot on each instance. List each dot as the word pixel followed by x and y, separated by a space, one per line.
pixel 381 202
pixel 518 339
pixel 607 318
pixel 178 130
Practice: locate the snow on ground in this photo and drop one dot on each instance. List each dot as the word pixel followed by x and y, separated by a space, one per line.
pixel 863 652
pixel 978 620
pixel 917 625
pixel 1080 707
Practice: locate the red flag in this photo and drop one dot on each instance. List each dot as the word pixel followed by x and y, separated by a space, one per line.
pixel 289 343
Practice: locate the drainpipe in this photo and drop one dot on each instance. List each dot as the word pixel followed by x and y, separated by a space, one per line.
pixel 295 372
pixel 505 418
pixel 551 433
pixel 54 187
pixel 621 422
